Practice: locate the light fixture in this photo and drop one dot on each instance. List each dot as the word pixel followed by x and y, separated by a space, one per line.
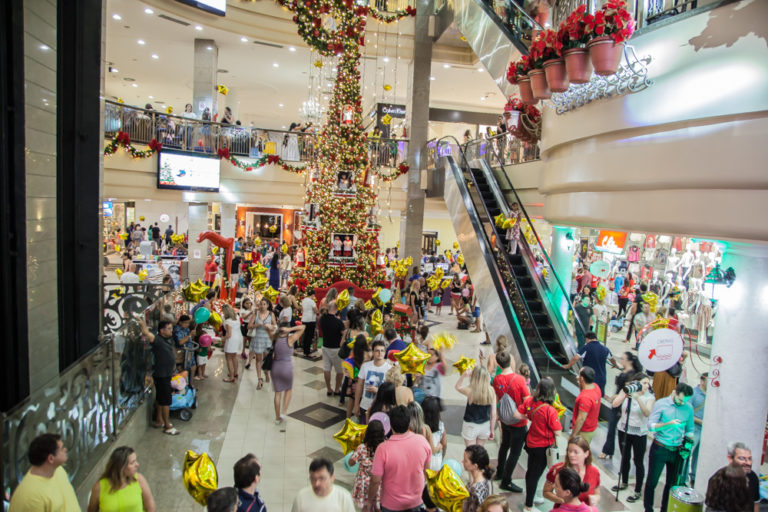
pixel 280 105
pixel 480 70
pixel 45 47
pixel 291 49
pixel 432 78
pixel 134 84
pixel 149 11
pixel 244 39
pixel 116 17
pixel 446 66
pixel 386 59
pixel 209 48
pixel 112 70
pixel 151 97
pixel 198 27
pixel 155 56
pixel 141 42
pixel 483 98
pixel 275 65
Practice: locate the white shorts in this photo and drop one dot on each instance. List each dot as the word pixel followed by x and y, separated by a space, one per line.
pixel 472 431
pixel 331 359
pixel 202 360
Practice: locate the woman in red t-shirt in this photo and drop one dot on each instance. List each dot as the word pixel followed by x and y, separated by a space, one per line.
pixel 579 458
pixel 569 488
pixel 542 433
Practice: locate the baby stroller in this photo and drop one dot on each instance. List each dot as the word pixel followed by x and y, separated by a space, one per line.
pixel 184 397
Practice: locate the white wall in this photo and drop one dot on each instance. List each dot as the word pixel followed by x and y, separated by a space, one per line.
pixel 178 211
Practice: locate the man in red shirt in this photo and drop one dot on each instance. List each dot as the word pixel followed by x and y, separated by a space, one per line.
pixel 512 436
pixel 586 409
pixel 210 271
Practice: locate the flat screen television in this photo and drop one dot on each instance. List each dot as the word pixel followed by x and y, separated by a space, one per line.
pixel 185 171
pixel 218 7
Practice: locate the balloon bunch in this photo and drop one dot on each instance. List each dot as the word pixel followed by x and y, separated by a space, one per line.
pixel 143 274
pixel 342 300
pixel 443 340
pixel 376 322
pixel 258 277
pixel 446 489
pixel 401 266
pixel 177 239
pixel 195 292
pixel 652 300
pixel 412 359
pixel 433 282
pixel 600 292
pixel 271 294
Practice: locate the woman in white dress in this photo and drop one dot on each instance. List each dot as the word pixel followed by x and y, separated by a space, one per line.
pixel 233 341
pixel 291 145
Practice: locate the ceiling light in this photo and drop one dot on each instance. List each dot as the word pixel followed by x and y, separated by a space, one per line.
pixel 141 42
pixel 149 11
pixel 482 99
pixel 155 56
pixel 291 49
pixel 244 39
pixel 480 70
pixel 446 66
pixel 198 27
pixel 283 127
pixel 275 65
pixel 116 17
pixel 134 84
pixel 386 59
pixel 280 105
pixel 151 97
pixel 45 47
pixel 112 70
pixel 432 78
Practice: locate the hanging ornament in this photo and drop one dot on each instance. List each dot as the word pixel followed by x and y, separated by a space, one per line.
pixel 223 89
pixel 318 64
pixel 386 120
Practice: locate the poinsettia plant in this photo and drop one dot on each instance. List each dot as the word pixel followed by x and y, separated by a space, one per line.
pixel 572 33
pixel 518 68
pixel 533 113
pixel 514 103
pixel 543 48
pixel 613 20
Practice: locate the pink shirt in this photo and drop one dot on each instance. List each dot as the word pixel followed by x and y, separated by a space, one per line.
pixel 400 462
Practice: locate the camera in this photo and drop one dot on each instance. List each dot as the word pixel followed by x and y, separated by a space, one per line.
pixel 633 387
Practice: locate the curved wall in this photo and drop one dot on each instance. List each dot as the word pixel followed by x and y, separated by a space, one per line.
pixel 687 155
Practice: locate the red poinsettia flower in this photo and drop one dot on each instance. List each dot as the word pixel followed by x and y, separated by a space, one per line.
pixel 224 153
pixel 613 20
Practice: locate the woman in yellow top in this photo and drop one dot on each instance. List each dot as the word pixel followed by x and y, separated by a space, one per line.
pixel 121 487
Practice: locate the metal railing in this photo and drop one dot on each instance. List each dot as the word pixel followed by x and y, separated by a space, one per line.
pixel 202 136
pixel 511 149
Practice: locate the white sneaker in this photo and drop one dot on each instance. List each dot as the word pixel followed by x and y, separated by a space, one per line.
pixel 538 500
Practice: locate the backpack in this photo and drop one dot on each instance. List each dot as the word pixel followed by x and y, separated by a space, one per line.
pixel 507 410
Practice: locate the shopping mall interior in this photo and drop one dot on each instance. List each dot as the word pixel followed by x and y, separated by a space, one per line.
pixel 502 185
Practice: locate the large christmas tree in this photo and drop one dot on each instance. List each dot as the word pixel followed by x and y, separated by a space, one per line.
pixel 339 236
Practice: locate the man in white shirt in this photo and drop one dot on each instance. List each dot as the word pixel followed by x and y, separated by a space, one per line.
pixel 130 277
pixel 322 495
pixel 369 379
pixel 309 320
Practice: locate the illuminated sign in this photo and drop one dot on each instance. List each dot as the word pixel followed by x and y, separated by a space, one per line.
pixel 611 241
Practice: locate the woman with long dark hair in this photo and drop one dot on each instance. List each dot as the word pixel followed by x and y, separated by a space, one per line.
pixel 630 365
pixel 578 457
pixel 384 399
pixel 121 487
pixel 568 488
pixel 351 366
pixel 274 271
pixel 477 463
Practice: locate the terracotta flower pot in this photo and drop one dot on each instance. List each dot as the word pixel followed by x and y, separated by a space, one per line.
pixel 556 75
pixel 539 84
pixel 605 55
pixel 511 119
pixel 577 65
pixel 524 84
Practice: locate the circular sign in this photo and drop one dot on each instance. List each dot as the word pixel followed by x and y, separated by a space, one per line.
pixel 600 269
pixel 164 218
pixel 660 349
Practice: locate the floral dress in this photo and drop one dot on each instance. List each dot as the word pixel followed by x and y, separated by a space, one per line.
pixel 478 492
pixel 363 478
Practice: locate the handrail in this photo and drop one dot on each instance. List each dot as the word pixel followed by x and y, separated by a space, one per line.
pixel 509 141
pixel 204 136
pixel 507 262
pixel 511 31
pixel 566 293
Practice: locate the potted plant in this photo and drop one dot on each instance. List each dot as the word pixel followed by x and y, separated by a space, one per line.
pixel 542 50
pixel 611 26
pixel 517 74
pixel 512 111
pixel 571 44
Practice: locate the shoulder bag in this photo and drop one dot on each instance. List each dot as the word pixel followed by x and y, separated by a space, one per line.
pixel 552 453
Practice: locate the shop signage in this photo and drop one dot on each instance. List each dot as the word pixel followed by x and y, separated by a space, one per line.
pixel 660 349
pixel 611 241
pixel 106 208
pixel 397 111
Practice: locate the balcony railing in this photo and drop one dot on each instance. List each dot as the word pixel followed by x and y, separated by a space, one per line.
pixel 198 136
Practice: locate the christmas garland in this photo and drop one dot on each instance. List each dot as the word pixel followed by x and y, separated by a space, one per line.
pixel 389 18
pixel 261 162
pixel 390 176
pixel 124 140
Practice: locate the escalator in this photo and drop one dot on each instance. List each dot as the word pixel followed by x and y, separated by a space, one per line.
pixel 517 299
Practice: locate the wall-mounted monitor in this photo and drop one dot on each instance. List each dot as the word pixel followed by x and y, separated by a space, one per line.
pixel 218 7
pixel 186 171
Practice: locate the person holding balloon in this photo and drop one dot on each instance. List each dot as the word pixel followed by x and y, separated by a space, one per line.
pixel 233 342
pixel 362 457
pixel 480 413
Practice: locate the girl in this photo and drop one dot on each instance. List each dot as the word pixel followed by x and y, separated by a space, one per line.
pixel 246 315
pixel 363 457
pixel 261 329
pixel 282 367
pixel 455 293
pixel 578 458
pixel 233 341
pixel 438 440
pixel 633 435
pixel 431 382
pixel 568 487
pixel 502 345
pixel 480 413
pixel 121 487
pixel 274 271
pixel 477 464
pixel 513 233
pixel 351 366
pixel 414 302
pixel 525 371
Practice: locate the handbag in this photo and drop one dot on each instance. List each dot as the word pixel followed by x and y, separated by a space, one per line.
pixel 268 360
pixel 552 453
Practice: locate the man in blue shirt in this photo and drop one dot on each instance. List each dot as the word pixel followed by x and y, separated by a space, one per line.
pixel 247 475
pixel 697 403
pixel 396 344
pixel 671 422
pixel 594 355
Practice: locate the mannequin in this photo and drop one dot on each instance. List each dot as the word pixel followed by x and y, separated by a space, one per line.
pixel 673 261
pixel 697 273
pixel 686 261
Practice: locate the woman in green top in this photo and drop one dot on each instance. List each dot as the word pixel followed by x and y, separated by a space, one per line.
pixel 121 487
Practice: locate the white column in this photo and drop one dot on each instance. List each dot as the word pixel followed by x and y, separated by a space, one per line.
pixel 561 254
pixel 737 400
pixel 198 222
pixel 228 219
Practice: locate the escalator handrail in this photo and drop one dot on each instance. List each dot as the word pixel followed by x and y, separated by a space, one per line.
pixel 507 261
pixel 577 321
pixel 521 47
pixel 527 16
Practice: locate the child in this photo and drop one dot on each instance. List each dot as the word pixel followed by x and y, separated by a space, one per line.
pixel 525 371
pixel 204 352
pixel 363 457
pixel 431 382
pixel 477 464
pixel 438 439
pixel 437 300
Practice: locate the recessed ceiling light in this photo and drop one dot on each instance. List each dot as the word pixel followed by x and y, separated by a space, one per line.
pixel 113 70
pixel 283 127
pixel 209 48
pixel 291 49
pixel 446 66
pixel 151 97
pixel 45 47
pixel 134 84
pixel 155 56
pixel 482 99
pixel 480 70
pixel 386 59
pixel 198 27
pixel 149 11
pixel 244 39
pixel 432 78
pixel 141 42
pixel 116 17
pixel 275 65
pixel 280 105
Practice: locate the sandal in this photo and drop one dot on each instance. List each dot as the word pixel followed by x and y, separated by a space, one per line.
pixel 229 380
pixel 260 384
pixel 603 456
pixel 171 432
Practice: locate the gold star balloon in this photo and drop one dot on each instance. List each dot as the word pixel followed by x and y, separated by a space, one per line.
pixel 433 282
pixel 447 254
pixel 271 294
pixel 499 220
pixel 200 477
pixel 409 261
pixel 257 241
pixel 412 359
pixel 463 364
pixel 368 304
pixel 460 259
pixel 143 274
pixel 443 340
pixel 119 272
pixel 387 87
pixel 350 436
pixel 342 300
pixel 195 292
pixel 439 273
pixel 376 319
pixel 215 320
pixel 256 270
pixel 318 63
pixel 259 282
pixel 386 119
pixel 446 489
pixel 214 249
pixel 437 243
